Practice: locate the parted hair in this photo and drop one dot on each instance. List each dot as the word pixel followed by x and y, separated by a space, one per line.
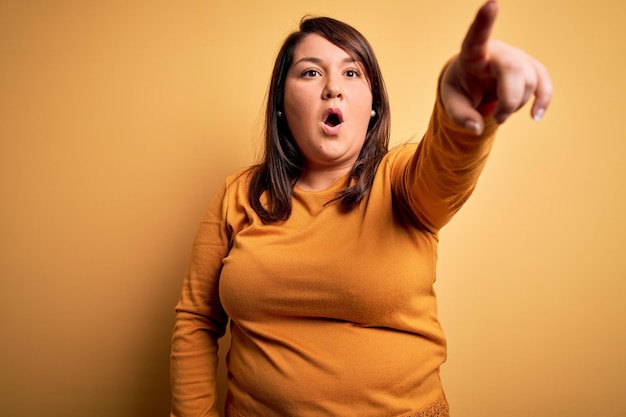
pixel 281 165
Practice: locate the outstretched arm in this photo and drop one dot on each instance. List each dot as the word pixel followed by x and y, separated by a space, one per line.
pixel 491 76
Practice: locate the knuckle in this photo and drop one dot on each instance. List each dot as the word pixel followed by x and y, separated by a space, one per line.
pixel 510 103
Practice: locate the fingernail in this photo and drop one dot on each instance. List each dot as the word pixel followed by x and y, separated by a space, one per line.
pixel 473 126
pixel 538 115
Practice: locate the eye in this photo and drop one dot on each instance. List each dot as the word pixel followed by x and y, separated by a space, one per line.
pixel 352 73
pixel 311 73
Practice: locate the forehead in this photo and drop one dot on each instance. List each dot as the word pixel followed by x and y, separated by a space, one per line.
pixel 317 47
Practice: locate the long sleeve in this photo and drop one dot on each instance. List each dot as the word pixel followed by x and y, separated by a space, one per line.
pixel 442 173
pixel 200 318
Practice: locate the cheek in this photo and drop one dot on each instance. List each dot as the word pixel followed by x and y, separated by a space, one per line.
pixel 365 101
pixel 296 121
pixel 367 98
pixel 363 95
pixel 297 105
pixel 296 96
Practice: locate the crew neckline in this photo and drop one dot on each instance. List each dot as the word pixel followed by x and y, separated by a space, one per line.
pixel 333 187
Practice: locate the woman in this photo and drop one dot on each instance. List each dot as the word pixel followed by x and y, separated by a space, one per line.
pixel 323 256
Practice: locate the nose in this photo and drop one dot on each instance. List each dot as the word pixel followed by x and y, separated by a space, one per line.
pixel 332 89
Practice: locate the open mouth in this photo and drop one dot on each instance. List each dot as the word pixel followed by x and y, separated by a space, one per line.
pixel 332 120
pixel 333 117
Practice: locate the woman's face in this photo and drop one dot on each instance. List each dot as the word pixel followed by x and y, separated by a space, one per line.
pixel 327 104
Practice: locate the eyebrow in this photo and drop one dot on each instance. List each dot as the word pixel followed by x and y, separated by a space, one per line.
pixel 316 60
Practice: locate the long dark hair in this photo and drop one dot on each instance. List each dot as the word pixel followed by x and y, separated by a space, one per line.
pixel 282 162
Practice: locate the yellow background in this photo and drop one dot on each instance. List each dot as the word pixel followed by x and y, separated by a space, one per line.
pixel 118 120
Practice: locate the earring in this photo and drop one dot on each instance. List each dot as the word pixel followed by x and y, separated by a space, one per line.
pixel 280 114
pixel 373 113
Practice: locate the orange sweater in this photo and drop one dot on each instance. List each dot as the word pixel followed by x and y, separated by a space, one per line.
pixel 332 313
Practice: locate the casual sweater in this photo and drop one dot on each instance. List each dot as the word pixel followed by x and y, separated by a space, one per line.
pixel 332 312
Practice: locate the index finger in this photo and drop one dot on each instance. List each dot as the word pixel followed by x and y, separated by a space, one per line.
pixel 474 46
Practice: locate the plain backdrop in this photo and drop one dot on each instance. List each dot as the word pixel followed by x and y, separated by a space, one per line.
pixel 119 119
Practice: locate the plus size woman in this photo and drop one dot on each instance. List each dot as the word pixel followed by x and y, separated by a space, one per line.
pixel 322 257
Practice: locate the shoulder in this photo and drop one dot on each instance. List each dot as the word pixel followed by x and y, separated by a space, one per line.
pixel 402 149
pixel 399 155
pixel 236 183
pixel 240 177
pixel 232 190
pixel 229 205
